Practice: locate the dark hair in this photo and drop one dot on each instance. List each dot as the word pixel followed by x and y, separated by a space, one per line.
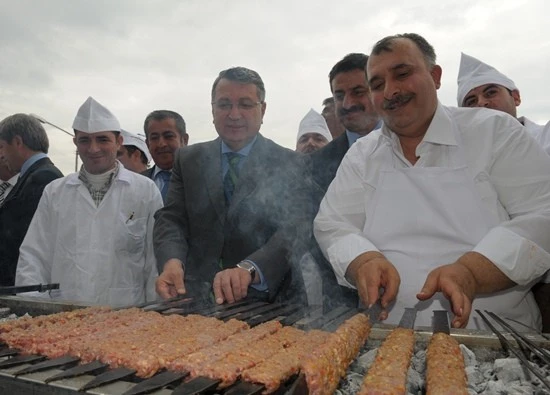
pixel 160 115
pixel 328 100
pixel 242 75
pixel 350 62
pixel 424 46
pixel 132 148
pixel 30 130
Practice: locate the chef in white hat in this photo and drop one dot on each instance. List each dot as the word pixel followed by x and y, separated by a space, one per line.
pixel 92 231
pixel 133 153
pixel 313 133
pixel 481 85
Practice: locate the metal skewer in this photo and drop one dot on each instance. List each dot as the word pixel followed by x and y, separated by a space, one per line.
pixel 508 346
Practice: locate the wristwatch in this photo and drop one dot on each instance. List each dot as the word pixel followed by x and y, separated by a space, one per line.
pixel 249 267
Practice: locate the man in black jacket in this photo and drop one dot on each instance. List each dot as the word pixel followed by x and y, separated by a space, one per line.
pixel 165 132
pixel 235 207
pixel 24 147
pixel 349 87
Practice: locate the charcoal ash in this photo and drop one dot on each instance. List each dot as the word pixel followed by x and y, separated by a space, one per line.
pixel 489 372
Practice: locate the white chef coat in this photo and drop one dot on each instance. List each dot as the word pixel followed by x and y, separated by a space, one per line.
pixel 98 255
pixel 509 170
pixel 541 133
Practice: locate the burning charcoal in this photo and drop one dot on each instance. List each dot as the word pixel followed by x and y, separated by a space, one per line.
pixel 509 370
pixel 495 388
pixel 475 378
pixel 415 381
pixel 469 356
pixel 363 363
pixel 486 369
pixel 350 384
pixel 419 361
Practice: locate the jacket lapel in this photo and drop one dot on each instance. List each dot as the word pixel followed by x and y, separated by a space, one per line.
pixel 212 164
pixel 23 179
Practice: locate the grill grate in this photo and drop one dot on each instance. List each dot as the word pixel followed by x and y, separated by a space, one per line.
pixel 251 311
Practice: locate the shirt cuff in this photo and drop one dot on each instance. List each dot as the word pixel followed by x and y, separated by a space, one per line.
pixel 518 258
pixel 343 252
pixel 262 286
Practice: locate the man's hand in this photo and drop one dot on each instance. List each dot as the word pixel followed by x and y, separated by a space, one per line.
pixel 371 271
pixel 170 282
pixel 458 285
pixel 231 285
pixel 472 274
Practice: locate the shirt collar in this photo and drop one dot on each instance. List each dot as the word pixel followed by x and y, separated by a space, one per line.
pixel 243 151
pixel 353 136
pixel 31 161
pixel 158 170
pixel 439 132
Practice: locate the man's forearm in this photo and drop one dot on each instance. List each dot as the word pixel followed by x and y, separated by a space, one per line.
pixel 488 277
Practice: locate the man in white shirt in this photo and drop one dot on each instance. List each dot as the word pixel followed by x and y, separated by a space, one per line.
pixel 93 230
pixel 313 133
pixel 440 200
pixel 133 152
pixel 481 85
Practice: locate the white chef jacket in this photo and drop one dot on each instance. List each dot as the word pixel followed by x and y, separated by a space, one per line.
pixel 541 133
pixel 99 255
pixel 510 171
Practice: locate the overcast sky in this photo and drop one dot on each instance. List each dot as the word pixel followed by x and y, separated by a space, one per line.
pixel 137 56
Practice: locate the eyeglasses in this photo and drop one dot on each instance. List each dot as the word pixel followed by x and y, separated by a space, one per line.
pixel 243 105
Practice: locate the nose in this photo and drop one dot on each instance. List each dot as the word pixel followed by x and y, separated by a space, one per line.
pixel 94 146
pixel 483 102
pixel 161 142
pixel 390 89
pixel 349 101
pixel 234 113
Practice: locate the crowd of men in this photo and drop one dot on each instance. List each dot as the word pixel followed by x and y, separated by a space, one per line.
pixel 391 197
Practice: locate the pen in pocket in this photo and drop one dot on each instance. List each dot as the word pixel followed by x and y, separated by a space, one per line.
pixel 131 217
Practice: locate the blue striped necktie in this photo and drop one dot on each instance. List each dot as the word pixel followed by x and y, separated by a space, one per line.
pixel 3 186
pixel 232 175
pixel 165 177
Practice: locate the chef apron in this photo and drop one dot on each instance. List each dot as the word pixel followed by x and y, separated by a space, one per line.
pixel 421 218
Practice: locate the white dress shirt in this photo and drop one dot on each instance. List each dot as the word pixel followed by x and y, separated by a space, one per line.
pixel 510 171
pixel 541 133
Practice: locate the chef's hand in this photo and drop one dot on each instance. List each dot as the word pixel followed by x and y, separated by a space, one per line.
pixel 458 284
pixel 371 271
pixel 170 282
pixel 231 285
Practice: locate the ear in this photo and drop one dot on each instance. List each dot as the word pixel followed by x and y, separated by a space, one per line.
pixel 264 106
pixel 74 141
pixel 185 139
pixel 436 74
pixel 17 141
pixel 516 97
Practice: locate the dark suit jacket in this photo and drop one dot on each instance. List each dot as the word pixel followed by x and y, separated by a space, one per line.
pixel 149 172
pixel 323 165
pixel 261 223
pixel 17 211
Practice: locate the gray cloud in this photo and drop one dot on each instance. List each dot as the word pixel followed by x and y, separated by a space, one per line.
pixel 136 56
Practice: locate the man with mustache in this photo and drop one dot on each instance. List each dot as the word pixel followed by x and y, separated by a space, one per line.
pixel 448 207
pixel 165 133
pixel 236 205
pixel 348 84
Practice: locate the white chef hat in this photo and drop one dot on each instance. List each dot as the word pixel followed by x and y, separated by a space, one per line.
pixel 92 117
pixel 314 122
pixel 474 73
pixel 136 141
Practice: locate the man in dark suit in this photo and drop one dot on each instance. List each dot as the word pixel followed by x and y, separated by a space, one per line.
pixel 349 87
pixel 24 147
pixel 165 133
pixel 235 205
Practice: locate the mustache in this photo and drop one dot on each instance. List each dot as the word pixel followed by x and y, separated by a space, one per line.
pixel 396 101
pixel 356 108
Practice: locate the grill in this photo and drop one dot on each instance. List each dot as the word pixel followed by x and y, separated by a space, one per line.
pixel 99 379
